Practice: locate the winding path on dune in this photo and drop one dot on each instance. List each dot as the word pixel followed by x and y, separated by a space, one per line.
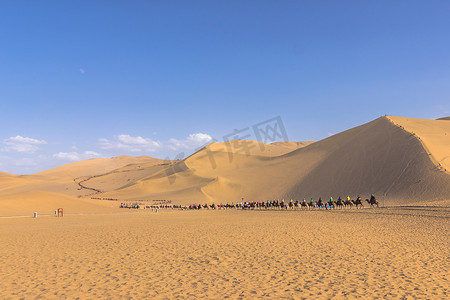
pixel 89 183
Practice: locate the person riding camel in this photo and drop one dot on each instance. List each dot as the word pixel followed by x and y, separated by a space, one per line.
pixel 372 197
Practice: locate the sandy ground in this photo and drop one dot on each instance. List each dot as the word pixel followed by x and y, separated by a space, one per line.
pixel 397 253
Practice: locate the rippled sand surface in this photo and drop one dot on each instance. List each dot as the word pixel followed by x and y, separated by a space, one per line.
pixel 395 253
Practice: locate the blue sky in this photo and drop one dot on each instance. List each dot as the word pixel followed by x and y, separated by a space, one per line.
pixel 84 79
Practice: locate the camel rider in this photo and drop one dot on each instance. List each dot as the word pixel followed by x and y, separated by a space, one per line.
pixel 372 197
pixel 331 200
pixel 312 201
pixel 348 198
pixel 340 200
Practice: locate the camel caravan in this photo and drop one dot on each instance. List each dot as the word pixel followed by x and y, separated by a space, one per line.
pixel 143 204
pixel 275 204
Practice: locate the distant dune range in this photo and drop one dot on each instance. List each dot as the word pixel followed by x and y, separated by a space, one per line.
pixel 401 160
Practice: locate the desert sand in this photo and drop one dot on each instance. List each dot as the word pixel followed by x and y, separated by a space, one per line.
pixel 396 253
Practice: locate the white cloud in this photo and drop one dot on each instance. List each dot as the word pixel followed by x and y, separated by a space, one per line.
pixel 193 141
pixel 130 143
pixel 22 144
pixel 75 156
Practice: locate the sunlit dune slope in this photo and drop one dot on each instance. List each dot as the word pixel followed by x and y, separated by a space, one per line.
pixel 124 176
pixel 65 179
pixel 198 177
pixel 62 183
pixel 254 148
pixel 25 183
pixel 216 175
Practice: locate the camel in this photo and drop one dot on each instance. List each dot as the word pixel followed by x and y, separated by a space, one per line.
pixel 320 203
pixel 348 203
pixel 358 202
pixel 372 201
pixel 339 203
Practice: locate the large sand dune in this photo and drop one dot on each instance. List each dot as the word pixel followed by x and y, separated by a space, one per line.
pixel 60 187
pixel 378 157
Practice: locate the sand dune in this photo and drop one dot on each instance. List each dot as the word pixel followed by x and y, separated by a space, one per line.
pixel 22 194
pixel 378 157
pixel 124 176
pixel 381 157
pixel 198 177
pixel 254 148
